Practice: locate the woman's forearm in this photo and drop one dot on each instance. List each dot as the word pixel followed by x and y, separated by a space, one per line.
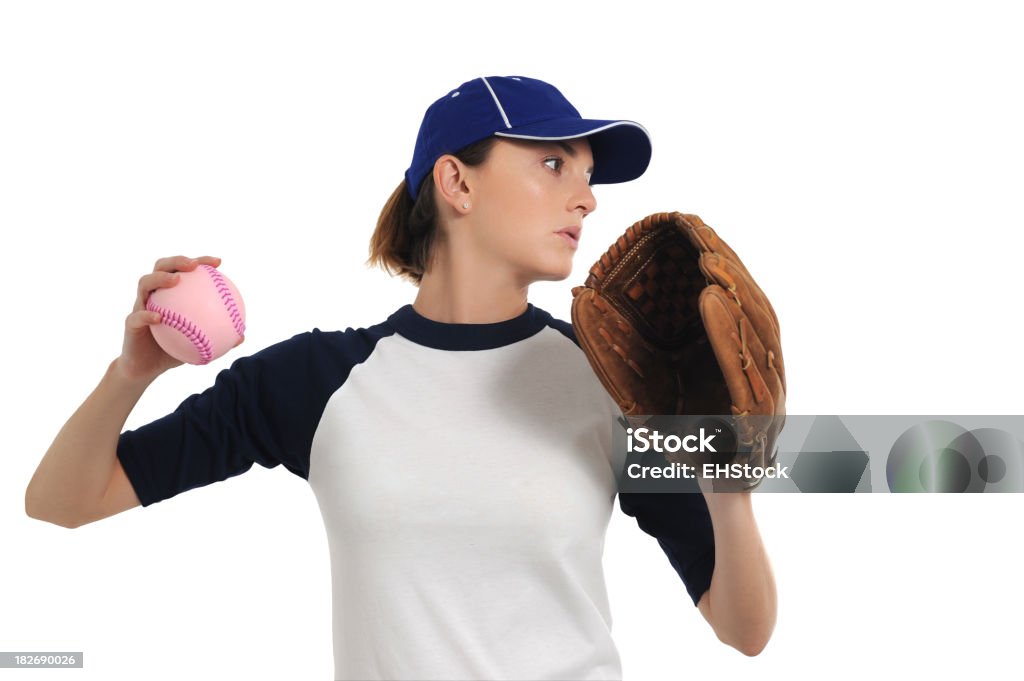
pixel 74 473
pixel 741 603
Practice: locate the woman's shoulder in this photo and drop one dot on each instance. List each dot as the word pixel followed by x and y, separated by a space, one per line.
pixel 559 325
pixel 333 345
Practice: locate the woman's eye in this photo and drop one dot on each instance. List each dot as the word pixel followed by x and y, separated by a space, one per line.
pixel 556 160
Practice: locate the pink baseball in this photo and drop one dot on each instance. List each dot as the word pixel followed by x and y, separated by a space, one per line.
pixel 202 316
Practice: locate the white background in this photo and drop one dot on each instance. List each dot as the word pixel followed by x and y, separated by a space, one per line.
pixel 865 161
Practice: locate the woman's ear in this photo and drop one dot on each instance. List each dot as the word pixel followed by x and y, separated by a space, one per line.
pixel 450 176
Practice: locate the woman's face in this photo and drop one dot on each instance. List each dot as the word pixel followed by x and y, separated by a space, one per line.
pixel 528 201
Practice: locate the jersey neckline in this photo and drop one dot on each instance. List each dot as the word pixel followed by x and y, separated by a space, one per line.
pixel 446 336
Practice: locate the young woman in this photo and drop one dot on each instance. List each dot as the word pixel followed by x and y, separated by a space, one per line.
pixel 460 450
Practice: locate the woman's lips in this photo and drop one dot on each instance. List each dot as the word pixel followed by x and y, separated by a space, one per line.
pixel 570 234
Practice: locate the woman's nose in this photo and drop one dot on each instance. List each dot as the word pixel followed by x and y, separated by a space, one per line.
pixel 586 199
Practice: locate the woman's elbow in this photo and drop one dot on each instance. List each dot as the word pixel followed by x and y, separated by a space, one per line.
pixel 38 511
pixel 749 636
pixel 752 642
pixel 753 646
pixel 53 520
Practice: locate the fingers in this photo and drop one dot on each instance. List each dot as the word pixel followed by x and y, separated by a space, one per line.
pixel 151 282
pixel 141 319
pixel 182 263
pixel 164 275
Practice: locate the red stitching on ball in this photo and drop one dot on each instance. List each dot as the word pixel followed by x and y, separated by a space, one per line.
pixel 186 328
pixel 229 300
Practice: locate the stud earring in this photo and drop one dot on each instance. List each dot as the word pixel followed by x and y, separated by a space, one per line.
pixel 465 205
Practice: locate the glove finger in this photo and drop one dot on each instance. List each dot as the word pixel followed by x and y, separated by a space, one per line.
pixel 721 265
pixel 750 287
pixel 746 387
pixel 728 272
pixel 707 240
pixel 740 353
pixel 759 398
pixel 748 296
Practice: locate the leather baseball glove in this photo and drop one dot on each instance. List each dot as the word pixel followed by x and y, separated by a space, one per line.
pixel 673 324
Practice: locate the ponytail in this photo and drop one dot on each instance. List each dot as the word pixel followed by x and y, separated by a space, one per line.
pixel 404 238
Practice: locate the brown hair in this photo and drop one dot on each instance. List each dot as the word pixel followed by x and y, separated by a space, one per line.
pixel 406 231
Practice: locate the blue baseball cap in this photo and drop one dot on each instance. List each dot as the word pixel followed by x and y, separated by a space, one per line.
pixel 529 109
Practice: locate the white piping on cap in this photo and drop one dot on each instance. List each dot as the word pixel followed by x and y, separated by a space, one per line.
pixel 572 137
pixel 496 102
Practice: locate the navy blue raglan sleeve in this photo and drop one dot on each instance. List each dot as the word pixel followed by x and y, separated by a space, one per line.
pixel 679 521
pixel 682 525
pixel 263 409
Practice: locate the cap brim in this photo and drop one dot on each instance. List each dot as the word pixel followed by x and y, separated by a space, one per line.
pixel 621 149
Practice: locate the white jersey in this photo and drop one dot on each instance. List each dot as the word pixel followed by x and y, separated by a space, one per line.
pixel 466 477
